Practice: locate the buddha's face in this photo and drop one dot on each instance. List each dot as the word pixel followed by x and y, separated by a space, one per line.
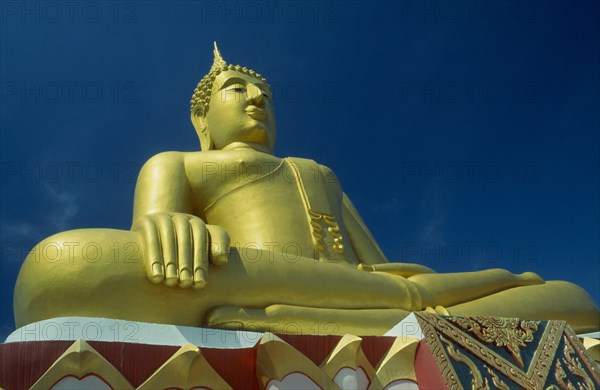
pixel 240 112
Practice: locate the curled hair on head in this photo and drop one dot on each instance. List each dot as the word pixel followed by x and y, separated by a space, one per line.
pixel 202 93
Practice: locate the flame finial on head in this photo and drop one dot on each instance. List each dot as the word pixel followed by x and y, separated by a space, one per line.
pixel 203 91
pixel 218 59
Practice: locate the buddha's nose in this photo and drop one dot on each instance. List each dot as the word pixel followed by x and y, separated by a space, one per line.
pixel 255 95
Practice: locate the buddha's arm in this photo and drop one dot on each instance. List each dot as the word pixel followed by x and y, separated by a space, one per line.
pixel 177 244
pixel 163 187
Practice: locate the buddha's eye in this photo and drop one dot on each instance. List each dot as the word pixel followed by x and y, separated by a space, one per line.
pixel 266 93
pixel 237 88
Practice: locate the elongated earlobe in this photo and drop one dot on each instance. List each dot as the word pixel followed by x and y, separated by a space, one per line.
pixel 199 122
pixel 205 141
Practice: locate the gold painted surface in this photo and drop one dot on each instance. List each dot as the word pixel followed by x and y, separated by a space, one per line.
pixel 398 362
pixel 80 360
pixel 276 360
pixel 186 369
pixel 323 225
pixel 592 346
pixel 348 354
pixel 233 226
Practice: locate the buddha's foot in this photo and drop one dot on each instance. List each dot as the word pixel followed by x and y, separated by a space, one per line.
pixel 440 310
pixel 306 320
pixel 530 278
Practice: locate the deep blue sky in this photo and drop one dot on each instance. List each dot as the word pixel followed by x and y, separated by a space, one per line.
pixel 466 133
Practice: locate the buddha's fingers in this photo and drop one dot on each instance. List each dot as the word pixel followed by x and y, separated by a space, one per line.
pixel 184 249
pixel 200 249
pixel 219 245
pixel 152 252
pixel 402 269
pixel 168 246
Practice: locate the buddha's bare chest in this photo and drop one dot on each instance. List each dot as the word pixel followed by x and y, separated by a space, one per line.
pixel 221 172
pixel 263 198
pixel 213 175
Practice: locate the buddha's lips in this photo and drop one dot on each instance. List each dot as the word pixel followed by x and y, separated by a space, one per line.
pixel 256 113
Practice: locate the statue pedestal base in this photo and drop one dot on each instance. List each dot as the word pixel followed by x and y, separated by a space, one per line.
pixel 424 351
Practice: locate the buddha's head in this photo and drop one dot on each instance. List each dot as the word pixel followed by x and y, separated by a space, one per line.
pixel 232 106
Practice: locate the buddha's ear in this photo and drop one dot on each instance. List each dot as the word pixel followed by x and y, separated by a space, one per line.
pixel 198 118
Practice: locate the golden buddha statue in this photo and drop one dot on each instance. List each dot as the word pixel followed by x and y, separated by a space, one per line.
pixel 234 237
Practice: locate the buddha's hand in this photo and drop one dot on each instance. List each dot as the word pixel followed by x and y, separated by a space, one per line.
pixel 178 248
pixel 402 269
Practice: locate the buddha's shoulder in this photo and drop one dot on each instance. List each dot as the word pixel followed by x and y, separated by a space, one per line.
pixel 243 156
pixel 164 160
pixel 308 161
pixel 323 169
pixel 222 158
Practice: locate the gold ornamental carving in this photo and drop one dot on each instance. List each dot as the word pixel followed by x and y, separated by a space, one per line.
pixel 510 333
pixel 477 381
pixel 532 377
pixel 333 229
pixel 574 367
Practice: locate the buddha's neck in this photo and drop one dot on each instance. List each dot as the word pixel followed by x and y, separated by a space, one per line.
pixel 248 145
